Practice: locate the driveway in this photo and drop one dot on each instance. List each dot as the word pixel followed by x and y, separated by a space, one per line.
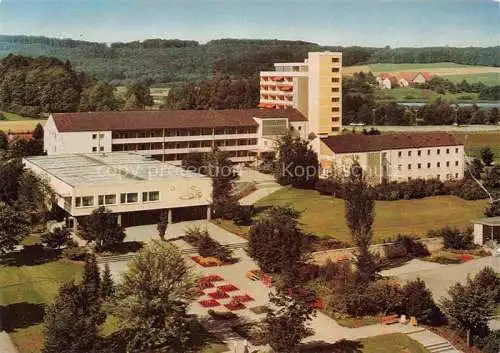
pixel 439 278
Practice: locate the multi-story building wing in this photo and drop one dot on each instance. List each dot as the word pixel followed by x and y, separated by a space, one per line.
pixel 170 135
pixel 395 157
pixel 313 87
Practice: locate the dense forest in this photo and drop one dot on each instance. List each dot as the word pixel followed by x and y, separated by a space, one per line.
pixel 174 60
pixel 30 87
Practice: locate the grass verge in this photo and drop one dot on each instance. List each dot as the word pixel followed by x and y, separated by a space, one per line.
pixel 24 291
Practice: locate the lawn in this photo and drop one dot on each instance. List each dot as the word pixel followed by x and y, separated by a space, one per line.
pixel 420 94
pixel 475 141
pixel 488 78
pixel 24 291
pixel 392 343
pixel 324 215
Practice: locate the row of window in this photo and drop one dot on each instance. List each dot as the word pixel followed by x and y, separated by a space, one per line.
pixel 183 132
pixel 110 199
pixel 94 136
pixel 419 165
pixel 419 152
pixel 180 156
pixel 183 144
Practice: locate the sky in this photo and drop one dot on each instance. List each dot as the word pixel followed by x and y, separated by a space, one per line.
pixel 409 23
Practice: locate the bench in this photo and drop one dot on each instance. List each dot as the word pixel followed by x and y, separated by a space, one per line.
pixel 388 320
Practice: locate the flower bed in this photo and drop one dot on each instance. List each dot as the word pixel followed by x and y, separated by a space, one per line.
pixel 243 298
pixel 228 288
pixel 212 278
pixel 218 295
pixel 235 305
pixel 202 284
pixel 209 303
pixel 206 261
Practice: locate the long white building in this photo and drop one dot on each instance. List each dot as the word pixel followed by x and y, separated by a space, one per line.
pixel 134 187
pixel 169 135
pixel 395 157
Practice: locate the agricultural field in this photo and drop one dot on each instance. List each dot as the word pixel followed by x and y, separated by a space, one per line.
pixel 443 68
pixel 24 125
pixel 454 72
pixel 418 94
pixel 25 291
pixel 324 215
pixel 488 78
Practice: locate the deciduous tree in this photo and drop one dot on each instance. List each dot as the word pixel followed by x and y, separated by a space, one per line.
pixel 101 226
pixel 487 156
pixel 277 244
pixel 14 227
pixel 56 238
pixel 297 163
pixel 222 172
pixel 469 306
pixel 287 324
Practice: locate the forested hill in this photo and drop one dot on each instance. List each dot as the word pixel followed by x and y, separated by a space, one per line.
pixel 183 60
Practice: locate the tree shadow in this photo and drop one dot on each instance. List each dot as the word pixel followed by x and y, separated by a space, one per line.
pixel 125 247
pixel 30 255
pixel 343 346
pixel 20 315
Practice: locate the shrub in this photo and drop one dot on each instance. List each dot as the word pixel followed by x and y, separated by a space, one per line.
pixel 417 301
pixel 256 334
pixel 78 253
pixel 466 189
pixel 330 187
pixel 413 247
pixel 445 259
pixel 243 215
pixel 222 315
pixel 454 238
pixel 492 342
pixel 208 247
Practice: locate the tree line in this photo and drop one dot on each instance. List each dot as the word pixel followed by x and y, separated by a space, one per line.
pixel 173 60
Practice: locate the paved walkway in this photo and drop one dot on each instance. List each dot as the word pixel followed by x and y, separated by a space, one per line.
pixel 6 345
pixel 439 278
pixel 265 184
pixel 432 342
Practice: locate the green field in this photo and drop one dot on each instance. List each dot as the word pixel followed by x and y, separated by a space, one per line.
pixel 406 67
pixel 488 78
pixel 324 215
pixel 419 94
pixel 389 343
pixel 392 343
pixel 475 141
pixel 24 291
pixel 13 117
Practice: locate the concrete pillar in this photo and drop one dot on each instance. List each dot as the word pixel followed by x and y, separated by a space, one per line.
pixel 209 213
pixel 119 219
pixel 169 216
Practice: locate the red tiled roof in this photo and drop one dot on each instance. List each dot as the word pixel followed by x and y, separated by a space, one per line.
pixel 408 76
pixel 134 120
pixel 384 75
pixel 426 75
pixel 356 143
